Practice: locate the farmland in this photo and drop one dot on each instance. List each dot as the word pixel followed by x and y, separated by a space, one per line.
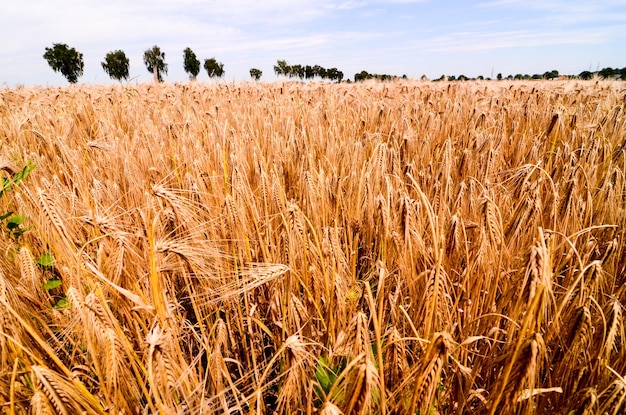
pixel 402 247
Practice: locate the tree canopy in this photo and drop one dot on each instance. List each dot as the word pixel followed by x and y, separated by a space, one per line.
pixel 66 60
pixel 116 65
pixel 281 68
pixel 364 75
pixel 608 73
pixel 191 63
pixel 214 68
pixel 551 74
pixel 334 74
pixel 256 73
pixel 154 60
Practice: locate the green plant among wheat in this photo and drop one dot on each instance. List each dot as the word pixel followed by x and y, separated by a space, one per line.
pixel 13 222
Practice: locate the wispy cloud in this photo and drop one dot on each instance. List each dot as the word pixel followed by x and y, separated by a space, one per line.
pixel 563 12
pixel 475 41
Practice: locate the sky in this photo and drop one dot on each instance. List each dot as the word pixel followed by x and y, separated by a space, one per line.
pixel 398 37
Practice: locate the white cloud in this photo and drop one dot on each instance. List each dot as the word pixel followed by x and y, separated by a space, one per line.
pixel 475 41
pixel 567 12
pixel 402 1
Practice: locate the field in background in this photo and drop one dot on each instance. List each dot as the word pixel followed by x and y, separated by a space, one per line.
pixel 376 248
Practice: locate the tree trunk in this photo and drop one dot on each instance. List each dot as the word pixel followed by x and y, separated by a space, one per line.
pixel 155 71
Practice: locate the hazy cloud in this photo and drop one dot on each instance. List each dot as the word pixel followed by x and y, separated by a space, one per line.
pixel 468 41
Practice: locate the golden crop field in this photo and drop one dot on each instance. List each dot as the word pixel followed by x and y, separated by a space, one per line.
pixel 372 248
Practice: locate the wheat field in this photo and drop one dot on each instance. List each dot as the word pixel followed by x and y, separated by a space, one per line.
pixel 372 248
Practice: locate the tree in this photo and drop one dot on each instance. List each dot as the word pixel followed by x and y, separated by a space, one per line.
pixel 607 72
pixel 309 73
pixel 551 74
pixel 318 71
pixel 155 62
pixel 322 72
pixel 256 73
pixel 338 76
pixel 499 77
pixel 191 63
pixel 334 74
pixel 214 68
pixel 66 60
pixel 116 65
pixel 296 71
pixel 362 76
pixel 585 75
pixel 281 68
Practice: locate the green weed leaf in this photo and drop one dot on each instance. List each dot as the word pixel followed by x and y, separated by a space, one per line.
pixel 21 175
pixel 51 284
pixel 323 375
pixel 15 221
pixel 6 185
pixel 46 260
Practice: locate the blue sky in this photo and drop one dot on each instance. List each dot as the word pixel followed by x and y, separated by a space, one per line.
pixel 412 37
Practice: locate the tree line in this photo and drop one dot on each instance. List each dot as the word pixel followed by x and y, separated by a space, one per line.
pixel 605 73
pixel 364 76
pixel 307 71
pixel 69 62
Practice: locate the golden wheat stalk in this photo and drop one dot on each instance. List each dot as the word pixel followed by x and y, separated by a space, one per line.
pixel 362 379
pixel 30 275
pixel 429 373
